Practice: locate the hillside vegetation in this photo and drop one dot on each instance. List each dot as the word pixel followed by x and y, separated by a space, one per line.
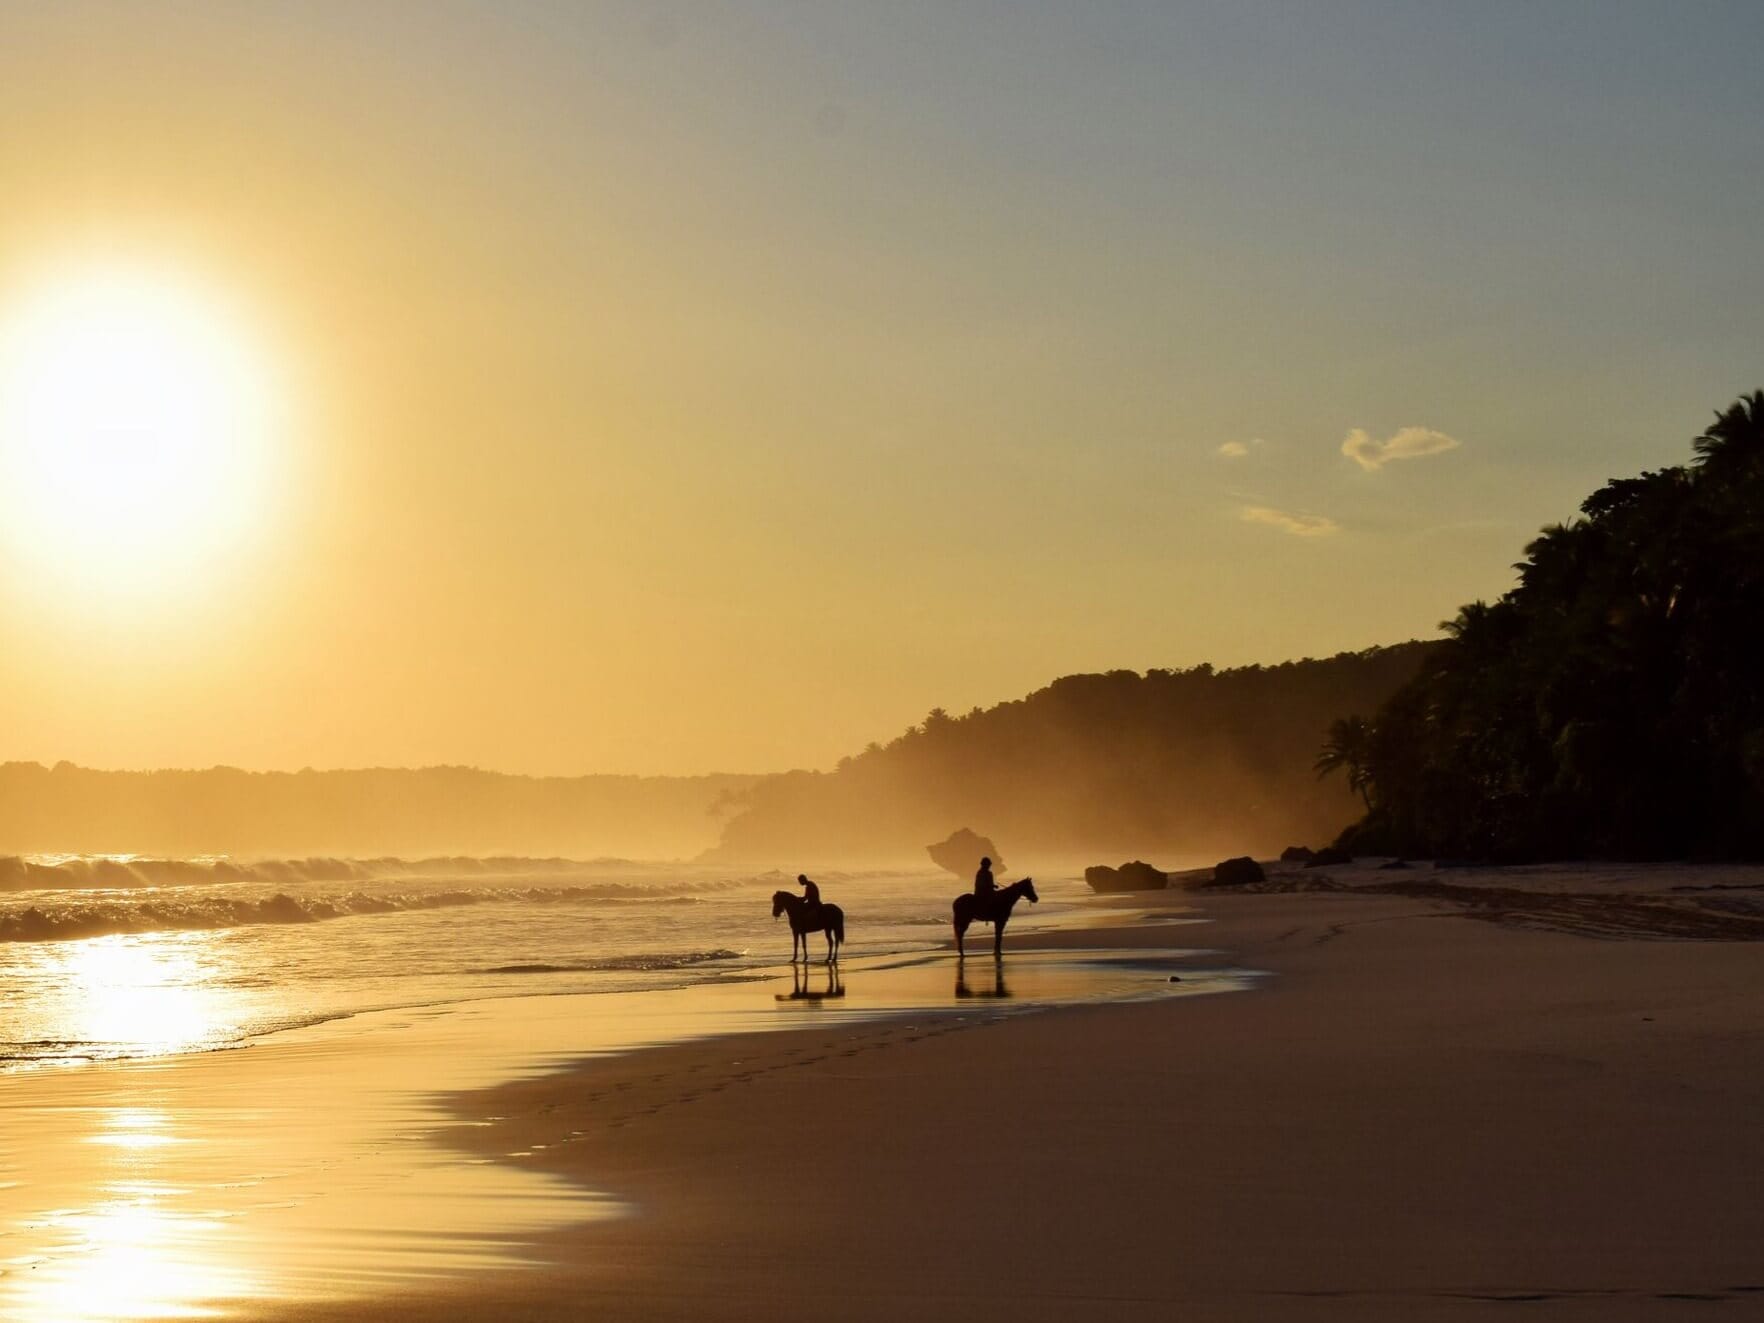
pixel 1168 763
pixel 1613 702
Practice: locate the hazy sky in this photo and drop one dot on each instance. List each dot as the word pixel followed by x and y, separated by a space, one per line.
pixel 690 387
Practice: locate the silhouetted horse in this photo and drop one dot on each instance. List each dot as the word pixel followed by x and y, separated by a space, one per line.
pixel 806 918
pixel 996 910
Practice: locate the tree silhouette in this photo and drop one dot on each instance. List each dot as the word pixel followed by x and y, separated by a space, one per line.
pixel 1349 746
pixel 1734 443
pixel 1613 701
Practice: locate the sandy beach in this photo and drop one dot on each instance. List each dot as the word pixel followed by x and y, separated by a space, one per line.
pixel 1416 1114
pixel 514 517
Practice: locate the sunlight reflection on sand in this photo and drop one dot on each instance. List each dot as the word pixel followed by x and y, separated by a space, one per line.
pixel 188 1187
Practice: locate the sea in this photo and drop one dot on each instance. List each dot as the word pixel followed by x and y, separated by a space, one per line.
pixel 113 957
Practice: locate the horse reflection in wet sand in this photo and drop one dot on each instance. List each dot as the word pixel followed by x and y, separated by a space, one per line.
pixel 997 991
pixel 994 909
pixel 810 917
pixel 801 991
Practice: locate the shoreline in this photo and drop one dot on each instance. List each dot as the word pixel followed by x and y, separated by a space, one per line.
pixel 1415 1117
pixel 305 1173
pixel 1411 1117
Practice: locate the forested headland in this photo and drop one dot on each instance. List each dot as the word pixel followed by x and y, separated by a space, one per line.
pixel 1172 763
pixel 1175 763
pixel 1610 704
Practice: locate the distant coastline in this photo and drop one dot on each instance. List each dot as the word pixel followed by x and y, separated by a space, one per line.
pixel 361 813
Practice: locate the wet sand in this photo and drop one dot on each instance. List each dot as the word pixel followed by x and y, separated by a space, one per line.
pixel 1419 1116
pixel 313 1166
pixel 1415 1115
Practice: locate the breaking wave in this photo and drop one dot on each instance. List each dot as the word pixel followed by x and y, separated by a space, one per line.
pixel 120 872
pixel 49 922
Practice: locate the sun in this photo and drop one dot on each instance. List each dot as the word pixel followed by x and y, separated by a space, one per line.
pixel 138 425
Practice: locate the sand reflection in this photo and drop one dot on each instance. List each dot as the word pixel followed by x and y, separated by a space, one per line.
pixel 312 1165
pixel 297 1169
pixel 125 1258
pixel 993 985
pixel 137 1250
pixel 812 987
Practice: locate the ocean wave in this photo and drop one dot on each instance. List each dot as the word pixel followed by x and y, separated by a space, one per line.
pixel 684 960
pixel 175 913
pixel 121 872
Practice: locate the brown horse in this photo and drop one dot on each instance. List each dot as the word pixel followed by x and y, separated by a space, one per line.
pixel 995 909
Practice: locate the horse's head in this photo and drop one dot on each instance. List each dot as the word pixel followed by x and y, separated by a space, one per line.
pixel 1028 885
pixel 779 900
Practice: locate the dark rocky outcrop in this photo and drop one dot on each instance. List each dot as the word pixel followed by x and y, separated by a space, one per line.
pixel 1135 876
pixel 1237 872
pixel 1327 856
pixel 961 852
pixel 1297 854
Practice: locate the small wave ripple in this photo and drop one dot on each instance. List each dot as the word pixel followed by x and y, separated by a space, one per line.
pixel 646 961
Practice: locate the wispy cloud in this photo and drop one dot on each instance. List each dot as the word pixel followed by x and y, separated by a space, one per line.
pixel 1404 443
pixel 1238 449
pixel 1299 525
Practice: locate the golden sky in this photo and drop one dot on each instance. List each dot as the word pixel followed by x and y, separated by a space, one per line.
pixel 668 389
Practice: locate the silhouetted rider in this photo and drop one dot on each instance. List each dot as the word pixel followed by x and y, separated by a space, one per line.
pixel 811 893
pixel 984 887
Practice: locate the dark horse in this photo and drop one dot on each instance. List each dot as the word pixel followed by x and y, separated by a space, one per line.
pixel 806 919
pixel 995 909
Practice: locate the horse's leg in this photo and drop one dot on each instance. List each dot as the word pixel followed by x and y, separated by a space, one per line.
pixel 998 935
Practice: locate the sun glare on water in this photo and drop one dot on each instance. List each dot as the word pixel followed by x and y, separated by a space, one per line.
pixel 138 426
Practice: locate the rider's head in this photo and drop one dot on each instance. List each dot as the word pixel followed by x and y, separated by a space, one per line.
pixel 802 879
pixel 985 863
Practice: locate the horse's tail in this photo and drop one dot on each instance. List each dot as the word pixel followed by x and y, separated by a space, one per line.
pixel 836 922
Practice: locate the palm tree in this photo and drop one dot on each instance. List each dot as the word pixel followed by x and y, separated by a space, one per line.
pixel 1734 443
pixel 1349 746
